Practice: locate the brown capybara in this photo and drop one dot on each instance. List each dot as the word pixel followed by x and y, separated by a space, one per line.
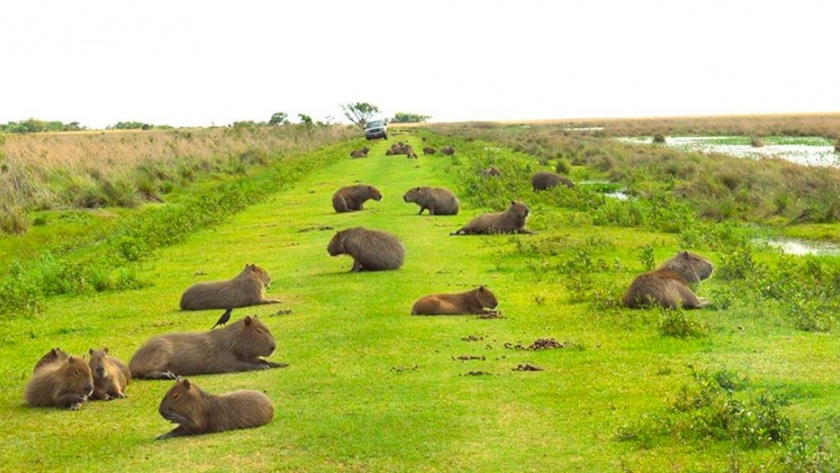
pixel 236 347
pixel 511 220
pixel 437 200
pixel 110 375
pixel 491 171
pixel 429 150
pixel 447 150
pixel 63 383
pixel 352 198
pixel 462 303
pixel 360 153
pixel 668 285
pixel 246 289
pixel 372 250
pixel 546 180
pixel 56 354
pixel 198 412
pixel 410 154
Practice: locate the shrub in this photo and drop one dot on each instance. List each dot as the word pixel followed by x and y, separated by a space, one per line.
pixel 658 138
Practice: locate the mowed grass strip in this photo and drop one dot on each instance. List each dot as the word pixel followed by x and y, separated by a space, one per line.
pixel 368 387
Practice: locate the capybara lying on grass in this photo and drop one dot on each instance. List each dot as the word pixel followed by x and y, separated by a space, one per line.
pixel 60 383
pixel 546 180
pixel 110 375
pixel 447 150
pixel 55 354
pixel 491 171
pixel 511 220
pixel 668 285
pixel 198 412
pixel 372 250
pixel 429 150
pixel 359 153
pixel 398 148
pixel 351 198
pixel 437 200
pixel 462 303
pixel 236 347
pixel 246 289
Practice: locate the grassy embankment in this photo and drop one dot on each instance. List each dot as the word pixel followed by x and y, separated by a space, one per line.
pixel 370 388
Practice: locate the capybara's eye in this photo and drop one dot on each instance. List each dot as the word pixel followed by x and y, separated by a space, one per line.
pixel 175 396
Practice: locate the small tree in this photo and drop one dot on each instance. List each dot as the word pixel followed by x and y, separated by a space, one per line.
pixel 305 120
pixel 401 117
pixel 279 118
pixel 359 113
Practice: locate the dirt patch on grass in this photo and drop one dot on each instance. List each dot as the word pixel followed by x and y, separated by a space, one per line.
pixel 527 367
pixel 316 228
pixel 540 344
pixel 469 357
pixel 491 314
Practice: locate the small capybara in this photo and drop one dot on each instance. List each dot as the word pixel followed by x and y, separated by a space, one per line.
pixel 546 180
pixel 372 250
pixel 429 150
pixel 398 148
pixel 351 198
pixel 359 153
pixel 511 220
pixel 668 285
pixel 437 200
pixel 410 154
pixel 462 303
pixel 63 383
pixel 56 354
pixel 236 347
pixel 246 289
pixel 198 412
pixel 110 375
pixel 491 171
pixel 447 150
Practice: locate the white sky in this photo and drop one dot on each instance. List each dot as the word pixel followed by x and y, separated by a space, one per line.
pixel 203 62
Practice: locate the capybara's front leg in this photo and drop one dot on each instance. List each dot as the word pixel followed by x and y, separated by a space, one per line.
pixel 357 266
pixel 179 431
pixel 160 375
pixel 72 401
pixel 270 301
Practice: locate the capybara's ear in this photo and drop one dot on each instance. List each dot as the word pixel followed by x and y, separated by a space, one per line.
pixel 684 253
pixel 90 352
pixel 70 360
pixel 186 383
pixel 481 288
pixel 247 320
pixel 105 349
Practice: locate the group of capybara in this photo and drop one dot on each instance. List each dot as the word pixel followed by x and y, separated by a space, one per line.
pixel 63 380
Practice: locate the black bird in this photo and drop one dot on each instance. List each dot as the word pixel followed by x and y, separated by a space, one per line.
pixel 223 319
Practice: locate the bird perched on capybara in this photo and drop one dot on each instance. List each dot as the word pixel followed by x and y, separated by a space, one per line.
pixel 372 250
pixel 236 347
pixel 429 150
pixel 668 285
pixel 512 220
pixel 63 383
pixel 546 180
pixel 360 153
pixel 198 412
pixel 110 375
pixel 246 289
pixel 491 171
pixel 447 150
pixel 351 198
pixel 55 354
pixel 437 200
pixel 461 303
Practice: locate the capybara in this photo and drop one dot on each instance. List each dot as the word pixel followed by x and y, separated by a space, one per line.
pixel 667 286
pixel 236 347
pixel 246 289
pixel 372 250
pixel 461 303
pixel 360 153
pixel 511 220
pixel 429 150
pixel 546 180
pixel 410 154
pixel 56 354
pixel 110 375
pixel 64 383
pixel 491 171
pixel 437 200
pixel 350 198
pixel 198 412
pixel 447 150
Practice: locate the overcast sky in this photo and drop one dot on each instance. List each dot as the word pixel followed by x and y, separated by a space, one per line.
pixel 204 62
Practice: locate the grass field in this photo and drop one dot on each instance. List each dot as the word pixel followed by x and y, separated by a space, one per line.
pixel 370 388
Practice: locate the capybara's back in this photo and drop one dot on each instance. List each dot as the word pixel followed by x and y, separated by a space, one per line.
pixel 546 180
pixel 372 250
pixel 198 412
pixel 437 200
pixel 462 303
pixel 668 285
pixel 52 356
pixel 236 347
pixel 246 289
pixel 65 383
pixel 512 220
pixel 110 375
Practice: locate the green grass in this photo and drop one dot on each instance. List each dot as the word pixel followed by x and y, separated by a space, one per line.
pixel 370 388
